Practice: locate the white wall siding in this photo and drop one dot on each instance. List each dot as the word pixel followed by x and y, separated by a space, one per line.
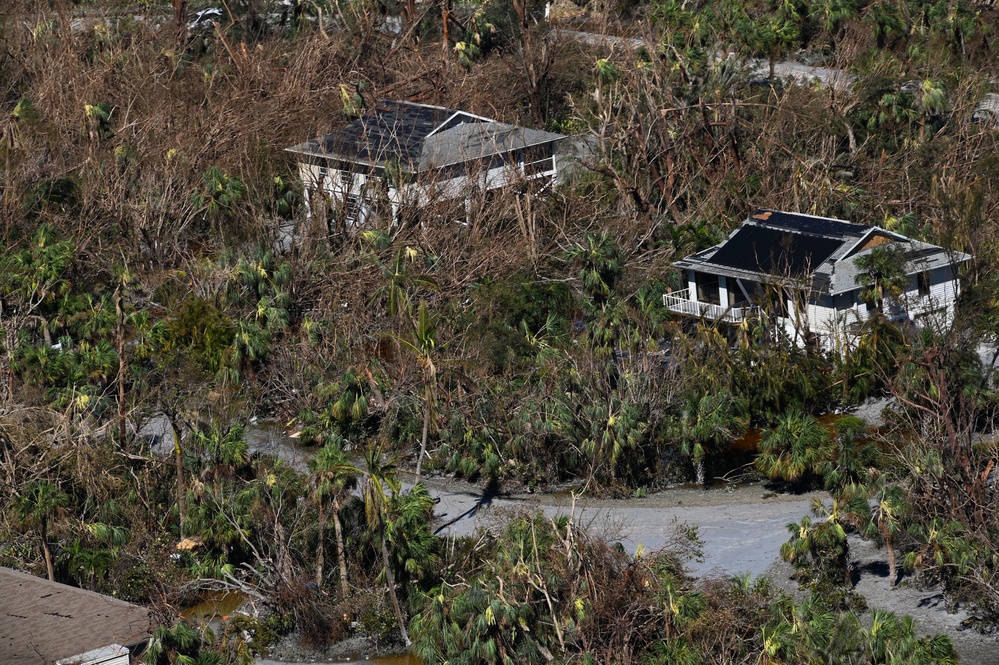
pixel 936 309
pixel 333 183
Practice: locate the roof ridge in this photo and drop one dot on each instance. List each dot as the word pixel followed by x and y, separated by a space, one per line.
pixel 807 215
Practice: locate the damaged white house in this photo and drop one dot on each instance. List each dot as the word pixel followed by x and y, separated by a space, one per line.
pixel 802 271
pixel 400 154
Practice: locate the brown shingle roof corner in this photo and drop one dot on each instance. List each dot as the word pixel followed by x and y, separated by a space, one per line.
pixel 44 623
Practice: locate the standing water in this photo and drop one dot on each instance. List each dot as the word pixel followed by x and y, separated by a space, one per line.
pixel 401 659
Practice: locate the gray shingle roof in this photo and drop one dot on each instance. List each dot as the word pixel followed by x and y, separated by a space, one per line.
pixel 42 622
pixel 420 137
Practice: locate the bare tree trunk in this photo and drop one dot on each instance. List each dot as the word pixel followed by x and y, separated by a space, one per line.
pixel 180 23
pixel 532 77
pixel 46 551
pixel 426 434
pixel 341 551
pixel 321 525
pixel 119 311
pixel 446 36
pixel 525 216
pixel 390 579
pixel 181 490
pixel 892 569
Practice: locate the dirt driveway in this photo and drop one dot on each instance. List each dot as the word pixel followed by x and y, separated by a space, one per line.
pixel 742 530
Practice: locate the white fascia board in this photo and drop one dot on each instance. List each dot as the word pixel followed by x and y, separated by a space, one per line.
pixel 99 656
pixel 455 115
pixel 872 231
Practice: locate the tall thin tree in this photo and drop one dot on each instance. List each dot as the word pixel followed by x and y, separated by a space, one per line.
pixel 37 505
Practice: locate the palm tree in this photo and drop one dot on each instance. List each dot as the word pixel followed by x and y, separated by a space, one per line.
pixel 819 549
pixel 332 476
pixel 780 644
pixel 223 451
pixel 377 508
pixel 932 103
pixel 177 644
pixel 887 517
pixel 178 457
pixel 893 640
pixel 37 505
pixel 853 465
pixel 614 425
pixel 600 266
pixel 400 281
pixel 408 532
pixel 709 423
pixel 423 344
pixel 794 449
pixel 770 35
pixel 250 344
pixel 882 275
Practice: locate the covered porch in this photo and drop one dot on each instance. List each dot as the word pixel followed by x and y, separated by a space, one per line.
pixel 680 302
pixel 715 297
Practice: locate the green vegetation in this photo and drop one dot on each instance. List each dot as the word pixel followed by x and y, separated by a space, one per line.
pixel 144 201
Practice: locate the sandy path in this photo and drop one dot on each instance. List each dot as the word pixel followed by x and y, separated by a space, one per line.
pixel 742 529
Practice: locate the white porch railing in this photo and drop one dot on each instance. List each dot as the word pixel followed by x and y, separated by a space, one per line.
pixel 681 303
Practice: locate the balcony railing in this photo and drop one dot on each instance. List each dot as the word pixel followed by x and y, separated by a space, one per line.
pixel 681 303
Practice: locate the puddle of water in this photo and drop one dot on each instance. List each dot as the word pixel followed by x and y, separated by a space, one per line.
pixel 270 438
pixel 214 605
pixel 750 441
pixel 399 659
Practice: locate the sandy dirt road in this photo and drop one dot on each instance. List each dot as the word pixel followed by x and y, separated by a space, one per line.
pixel 742 529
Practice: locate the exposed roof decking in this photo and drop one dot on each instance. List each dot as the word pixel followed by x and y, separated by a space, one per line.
pixel 808 224
pixel 469 142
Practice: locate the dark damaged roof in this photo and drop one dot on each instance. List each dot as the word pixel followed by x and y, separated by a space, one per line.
pixel 42 622
pixel 774 252
pixel 807 250
pixel 420 137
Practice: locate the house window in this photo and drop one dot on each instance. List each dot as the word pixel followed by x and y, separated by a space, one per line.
pixel 744 293
pixel 537 153
pixel 346 180
pixel 707 288
pixel 533 168
pixel 352 211
pixel 923 284
pixel 512 159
